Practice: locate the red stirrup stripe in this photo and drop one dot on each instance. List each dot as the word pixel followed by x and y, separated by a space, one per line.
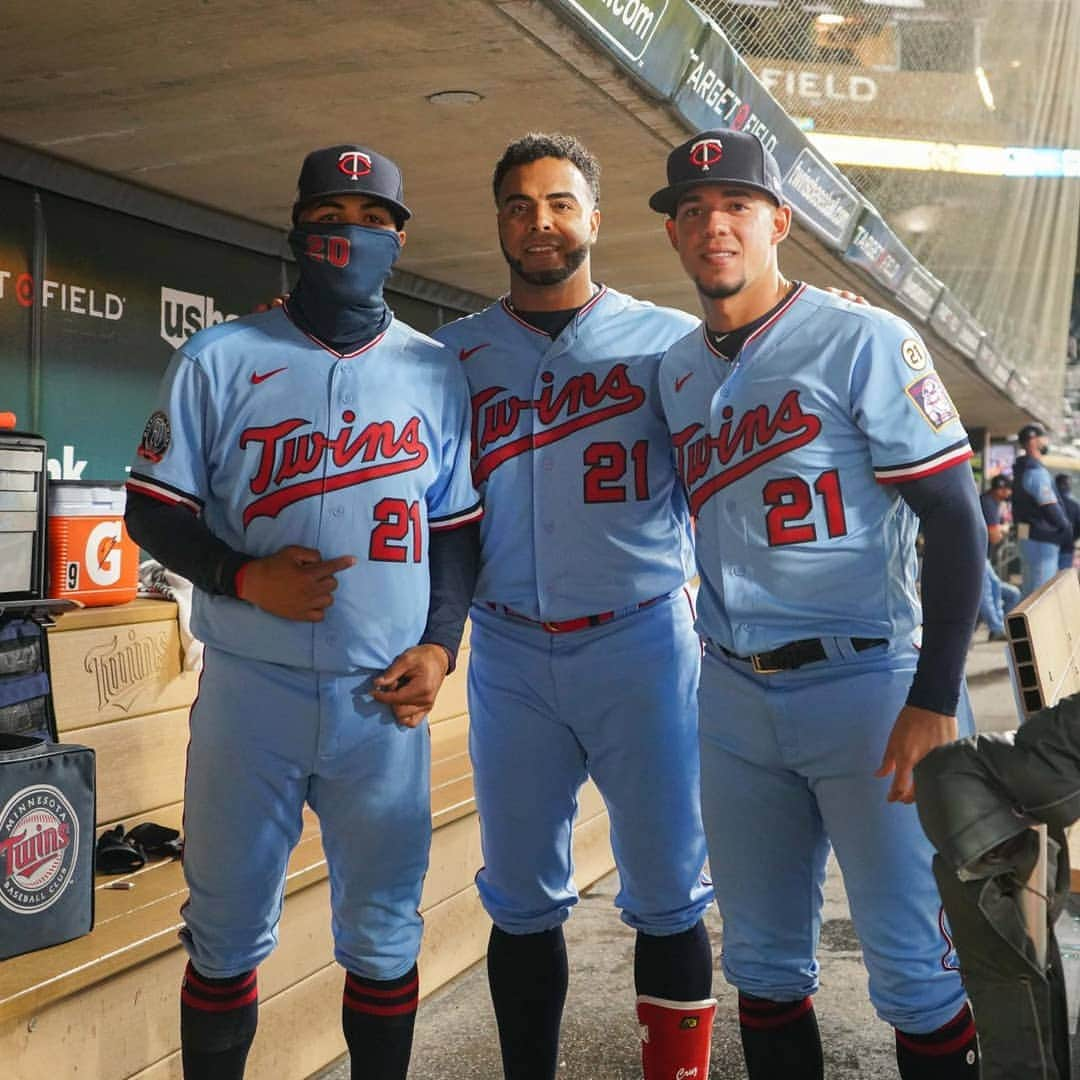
pixel 360 990
pixel 772 1014
pixel 918 1045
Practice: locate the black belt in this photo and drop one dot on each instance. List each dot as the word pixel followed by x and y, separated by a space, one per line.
pixel 797 653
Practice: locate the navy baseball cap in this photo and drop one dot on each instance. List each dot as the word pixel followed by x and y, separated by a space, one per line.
pixel 1030 431
pixel 719 157
pixel 350 169
pixel 1000 481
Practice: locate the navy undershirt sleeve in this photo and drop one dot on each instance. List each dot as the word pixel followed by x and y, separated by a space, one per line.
pixel 454 558
pixel 954 562
pixel 181 541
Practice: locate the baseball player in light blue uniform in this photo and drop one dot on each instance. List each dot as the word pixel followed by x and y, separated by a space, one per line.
pixel 325 426
pixel 809 431
pixel 583 660
pixel 1037 511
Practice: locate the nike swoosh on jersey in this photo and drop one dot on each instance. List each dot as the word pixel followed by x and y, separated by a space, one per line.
pixel 680 382
pixel 466 353
pixel 256 378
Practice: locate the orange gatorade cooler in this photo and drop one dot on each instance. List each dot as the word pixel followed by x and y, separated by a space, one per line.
pixel 91 557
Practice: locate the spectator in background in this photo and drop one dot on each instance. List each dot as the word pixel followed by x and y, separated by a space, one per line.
pixel 998 597
pixel 1042 526
pixel 1063 483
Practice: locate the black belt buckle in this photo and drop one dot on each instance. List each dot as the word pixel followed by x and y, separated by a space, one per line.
pixel 758 661
pixel 789 657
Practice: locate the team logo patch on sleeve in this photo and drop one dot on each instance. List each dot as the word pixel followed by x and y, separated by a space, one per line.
pixel 915 355
pixel 156 437
pixel 932 400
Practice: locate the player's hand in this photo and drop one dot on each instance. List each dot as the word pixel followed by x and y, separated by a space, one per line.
pixel 847 294
pixel 915 733
pixel 278 301
pixel 410 683
pixel 296 583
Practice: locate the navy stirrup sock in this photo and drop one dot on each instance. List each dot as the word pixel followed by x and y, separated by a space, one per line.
pixel 949 1053
pixel 378 1016
pixel 528 976
pixel 780 1039
pixel 217 1024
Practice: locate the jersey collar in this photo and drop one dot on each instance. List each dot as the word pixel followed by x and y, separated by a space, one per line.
pixel 777 314
pixel 330 349
pixel 585 309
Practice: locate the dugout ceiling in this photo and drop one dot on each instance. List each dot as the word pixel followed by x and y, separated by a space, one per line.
pixel 216 102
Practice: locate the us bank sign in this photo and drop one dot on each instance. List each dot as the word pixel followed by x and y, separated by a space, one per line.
pixel 627 25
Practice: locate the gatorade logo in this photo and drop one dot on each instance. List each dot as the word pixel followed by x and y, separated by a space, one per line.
pixel 103 554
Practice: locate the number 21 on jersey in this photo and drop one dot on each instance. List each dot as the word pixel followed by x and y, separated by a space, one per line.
pixel 791 500
pixel 612 471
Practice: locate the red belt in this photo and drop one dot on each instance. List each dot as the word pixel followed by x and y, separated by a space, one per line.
pixel 568 626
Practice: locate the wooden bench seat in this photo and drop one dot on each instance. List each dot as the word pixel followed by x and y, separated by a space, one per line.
pixel 106 1005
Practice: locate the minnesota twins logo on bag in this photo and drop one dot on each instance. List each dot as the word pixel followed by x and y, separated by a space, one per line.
pixel 39 847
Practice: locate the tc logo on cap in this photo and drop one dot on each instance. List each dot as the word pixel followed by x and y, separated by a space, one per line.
pixel 354 164
pixel 706 152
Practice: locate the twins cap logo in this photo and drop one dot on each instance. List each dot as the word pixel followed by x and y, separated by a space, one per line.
pixel 706 152
pixel 354 164
pixel 39 847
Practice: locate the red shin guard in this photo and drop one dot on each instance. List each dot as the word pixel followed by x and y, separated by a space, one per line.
pixel 676 1038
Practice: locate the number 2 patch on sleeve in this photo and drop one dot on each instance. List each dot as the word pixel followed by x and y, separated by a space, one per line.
pixel 932 400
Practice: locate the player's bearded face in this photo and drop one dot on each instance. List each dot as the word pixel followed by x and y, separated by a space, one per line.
pixel 547 220
pixel 551 275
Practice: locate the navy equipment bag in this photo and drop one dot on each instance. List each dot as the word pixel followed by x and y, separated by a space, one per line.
pixel 46 843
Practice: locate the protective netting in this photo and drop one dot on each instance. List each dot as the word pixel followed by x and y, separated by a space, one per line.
pixel 989 73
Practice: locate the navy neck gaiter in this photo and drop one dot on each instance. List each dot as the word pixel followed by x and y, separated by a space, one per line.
pixel 339 297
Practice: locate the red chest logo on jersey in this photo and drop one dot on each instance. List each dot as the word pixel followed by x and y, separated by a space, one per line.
pixel 378 449
pixel 755 438
pixel 579 403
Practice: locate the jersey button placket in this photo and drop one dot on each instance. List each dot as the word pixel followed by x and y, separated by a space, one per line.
pixel 545 484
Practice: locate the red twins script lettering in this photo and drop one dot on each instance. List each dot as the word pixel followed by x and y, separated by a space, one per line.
pixel 581 399
pixel 284 456
pixel 22 854
pixel 758 436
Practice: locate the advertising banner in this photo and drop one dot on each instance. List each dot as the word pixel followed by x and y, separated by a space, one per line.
pixel 876 249
pixel 919 290
pixel 952 321
pixel 992 365
pixel 650 38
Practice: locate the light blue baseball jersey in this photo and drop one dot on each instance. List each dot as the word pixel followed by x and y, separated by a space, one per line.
pixel 277 440
pixel 789 455
pixel 583 511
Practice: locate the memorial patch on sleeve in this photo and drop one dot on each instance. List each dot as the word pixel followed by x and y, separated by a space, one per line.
pixel 932 400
